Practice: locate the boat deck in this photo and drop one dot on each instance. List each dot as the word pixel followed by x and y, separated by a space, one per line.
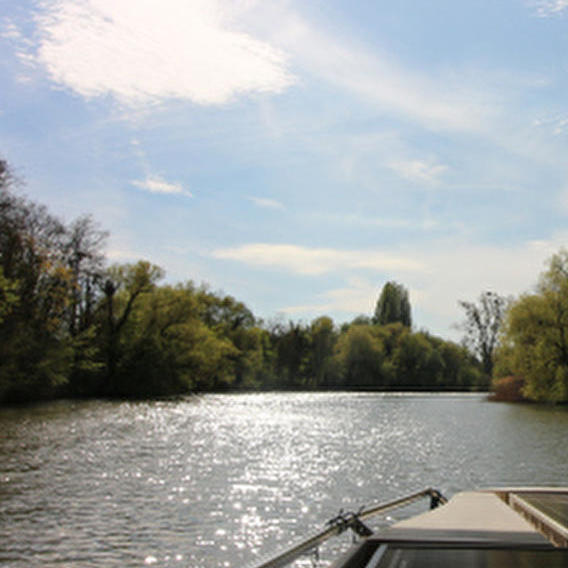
pixel 501 527
pixel 547 510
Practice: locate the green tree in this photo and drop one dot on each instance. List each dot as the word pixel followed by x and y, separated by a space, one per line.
pixel 417 363
pixel 35 352
pixel 291 345
pixel 8 296
pixel 123 286
pixel 167 349
pixel 322 339
pixel 461 369
pixel 535 338
pixel 232 320
pixel 360 358
pixel 393 305
pixel 83 256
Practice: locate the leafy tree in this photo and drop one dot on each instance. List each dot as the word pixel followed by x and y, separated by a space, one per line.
pixel 360 320
pixel 417 362
pixel 124 285
pixel 166 348
pixel 34 350
pixel 461 370
pixel 360 356
pixel 322 339
pixel 390 336
pixel 233 321
pixel 291 345
pixel 83 256
pixel 393 305
pixel 8 296
pixel 393 357
pixel 535 338
pixel 482 325
pixel 224 313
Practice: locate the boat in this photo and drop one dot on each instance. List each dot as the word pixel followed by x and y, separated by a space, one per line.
pixel 490 528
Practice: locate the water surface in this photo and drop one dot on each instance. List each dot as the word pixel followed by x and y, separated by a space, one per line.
pixel 219 480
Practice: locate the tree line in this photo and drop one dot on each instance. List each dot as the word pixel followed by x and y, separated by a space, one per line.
pixel 71 325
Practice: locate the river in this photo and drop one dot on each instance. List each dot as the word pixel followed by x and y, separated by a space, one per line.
pixel 219 480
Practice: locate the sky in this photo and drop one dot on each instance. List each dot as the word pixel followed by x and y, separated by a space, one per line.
pixel 298 155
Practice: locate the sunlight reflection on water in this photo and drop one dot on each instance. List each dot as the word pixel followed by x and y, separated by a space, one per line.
pixel 221 480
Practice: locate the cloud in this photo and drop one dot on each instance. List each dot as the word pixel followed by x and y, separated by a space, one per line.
pixel 547 8
pixel 155 184
pixel 437 275
pixel 10 31
pixel 357 297
pixel 357 220
pixel 141 51
pixel 266 203
pixel 556 124
pixel 438 100
pixel 124 254
pixel 315 261
pixel 474 99
pixel 419 171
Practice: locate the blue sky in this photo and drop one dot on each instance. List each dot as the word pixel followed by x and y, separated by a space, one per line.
pixel 298 155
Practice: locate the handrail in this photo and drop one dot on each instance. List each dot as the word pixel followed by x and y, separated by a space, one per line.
pixel 343 522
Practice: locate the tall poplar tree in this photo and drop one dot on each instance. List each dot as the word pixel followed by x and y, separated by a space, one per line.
pixel 393 305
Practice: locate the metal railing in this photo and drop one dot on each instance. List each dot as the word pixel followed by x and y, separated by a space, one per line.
pixel 346 521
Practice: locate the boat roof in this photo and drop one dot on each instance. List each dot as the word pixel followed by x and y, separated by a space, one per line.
pixel 469 516
pixel 502 527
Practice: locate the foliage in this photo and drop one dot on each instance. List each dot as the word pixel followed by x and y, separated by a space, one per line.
pixel 35 355
pixel 418 364
pixel 322 341
pixel 123 286
pixel 507 389
pixel 8 295
pixel 393 305
pixel 166 349
pixel 232 321
pixel 360 357
pixel 291 346
pixel 535 337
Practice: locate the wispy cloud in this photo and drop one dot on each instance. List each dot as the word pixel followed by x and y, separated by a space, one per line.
pixel 547 8
pixel 439 100
pixel 357 296
pixel 357 220
pixel 124 254
pixel 266 203
pixel 556 124
pixel 155 184
pixel 147 52
pixel 314 261
pixel 450 272
pixel 419 171
pixel 10 31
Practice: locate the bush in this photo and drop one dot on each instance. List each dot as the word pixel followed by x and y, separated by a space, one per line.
pixel 507 389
